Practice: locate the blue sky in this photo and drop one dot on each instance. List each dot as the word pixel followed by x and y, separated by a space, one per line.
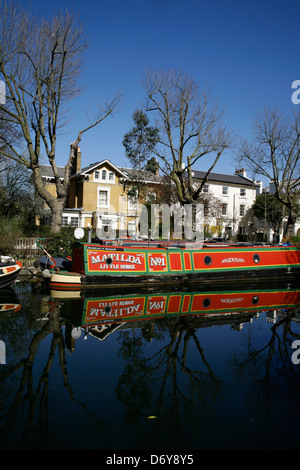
pixel 247 52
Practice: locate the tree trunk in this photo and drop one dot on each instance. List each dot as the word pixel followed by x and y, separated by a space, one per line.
pixel 55 203
pixel 57 212
pixel 292 218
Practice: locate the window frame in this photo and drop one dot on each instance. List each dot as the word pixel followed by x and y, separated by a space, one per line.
pixel 107 191
pixel 224 205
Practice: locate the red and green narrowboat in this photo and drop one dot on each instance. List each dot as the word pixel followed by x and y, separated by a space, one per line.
pixel 99 265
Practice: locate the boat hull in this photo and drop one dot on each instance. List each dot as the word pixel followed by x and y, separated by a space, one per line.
pixel 99 266
pixel 8 273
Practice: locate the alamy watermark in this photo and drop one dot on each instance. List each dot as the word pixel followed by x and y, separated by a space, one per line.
pixel 184 222
pixel 2 352
pixel 2 92
pixel 296 94
pixel 296 354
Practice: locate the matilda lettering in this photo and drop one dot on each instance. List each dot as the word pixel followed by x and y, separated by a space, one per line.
pixel 116 312
pixel 120 257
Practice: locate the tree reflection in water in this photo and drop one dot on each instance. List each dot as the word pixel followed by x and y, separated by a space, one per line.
pixel 154 383
pixel 273 378
pixel 168 373
pixel 30 402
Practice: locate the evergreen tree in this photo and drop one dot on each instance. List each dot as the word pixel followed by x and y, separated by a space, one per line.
pixel 140 141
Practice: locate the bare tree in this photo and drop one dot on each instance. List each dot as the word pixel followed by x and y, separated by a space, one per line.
pixel 190 128
pixel 16 191
pixel 274 152
pixel 40 64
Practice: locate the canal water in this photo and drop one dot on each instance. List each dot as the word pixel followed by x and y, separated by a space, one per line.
pixel 111 370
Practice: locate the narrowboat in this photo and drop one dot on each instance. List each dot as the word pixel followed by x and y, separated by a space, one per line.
pixel 108 265
pixel 9 270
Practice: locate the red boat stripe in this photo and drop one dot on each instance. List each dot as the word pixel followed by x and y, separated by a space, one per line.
pixel 175 262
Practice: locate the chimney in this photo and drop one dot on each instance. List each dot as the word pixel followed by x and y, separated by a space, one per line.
pixel 152 166
pixel 241 172
pixel 77 162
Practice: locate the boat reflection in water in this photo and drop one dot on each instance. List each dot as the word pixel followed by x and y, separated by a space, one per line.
pixel 9 302
pixel 100 315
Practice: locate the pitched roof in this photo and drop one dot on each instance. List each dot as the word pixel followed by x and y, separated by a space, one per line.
pixel 134 175
pixel 237 179
pixel 92 166
pixel 47 171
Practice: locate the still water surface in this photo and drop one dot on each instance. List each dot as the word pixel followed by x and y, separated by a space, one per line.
pixel 225 379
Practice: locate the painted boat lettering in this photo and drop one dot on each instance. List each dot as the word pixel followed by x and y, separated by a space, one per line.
pixel 116 257
pixel 233 260
pixel 114 309
pixel 157 262
pixel 156 304
pixel 231 301
pixel 115 261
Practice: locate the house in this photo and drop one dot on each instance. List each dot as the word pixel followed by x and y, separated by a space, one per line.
pixel 271 235
pixel 106 197
pixel 99 195
pixel 233 195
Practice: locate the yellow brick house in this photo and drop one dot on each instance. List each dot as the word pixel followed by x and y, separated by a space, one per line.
pixel 98 195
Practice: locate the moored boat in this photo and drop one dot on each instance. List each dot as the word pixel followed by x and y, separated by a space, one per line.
pixel 9 270
pixel 98 265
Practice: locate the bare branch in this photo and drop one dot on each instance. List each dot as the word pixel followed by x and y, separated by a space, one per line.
pixel 40 63
pixel 274 153
pixel 190 126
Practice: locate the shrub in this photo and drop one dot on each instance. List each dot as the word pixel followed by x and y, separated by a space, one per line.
pixel 60 244
pixel 10 232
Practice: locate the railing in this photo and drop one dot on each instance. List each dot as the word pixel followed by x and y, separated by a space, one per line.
pixel 27 247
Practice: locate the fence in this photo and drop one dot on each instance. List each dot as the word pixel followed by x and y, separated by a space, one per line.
pixel 27 248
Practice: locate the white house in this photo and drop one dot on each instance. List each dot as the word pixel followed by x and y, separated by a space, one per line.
pixel 235 193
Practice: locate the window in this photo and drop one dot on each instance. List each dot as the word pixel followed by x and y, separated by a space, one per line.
pixel 225 190
pixel 104 175
pixel 224 209
pixel 151 197
pixel 64 221
pixel 72 221
pixel 102 198
pixel 242 210
pixel 206 188
pixel 242 192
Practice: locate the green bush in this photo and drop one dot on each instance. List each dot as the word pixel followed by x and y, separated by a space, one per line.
pixel 10 231
pixel 60 244
pixel 295 239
